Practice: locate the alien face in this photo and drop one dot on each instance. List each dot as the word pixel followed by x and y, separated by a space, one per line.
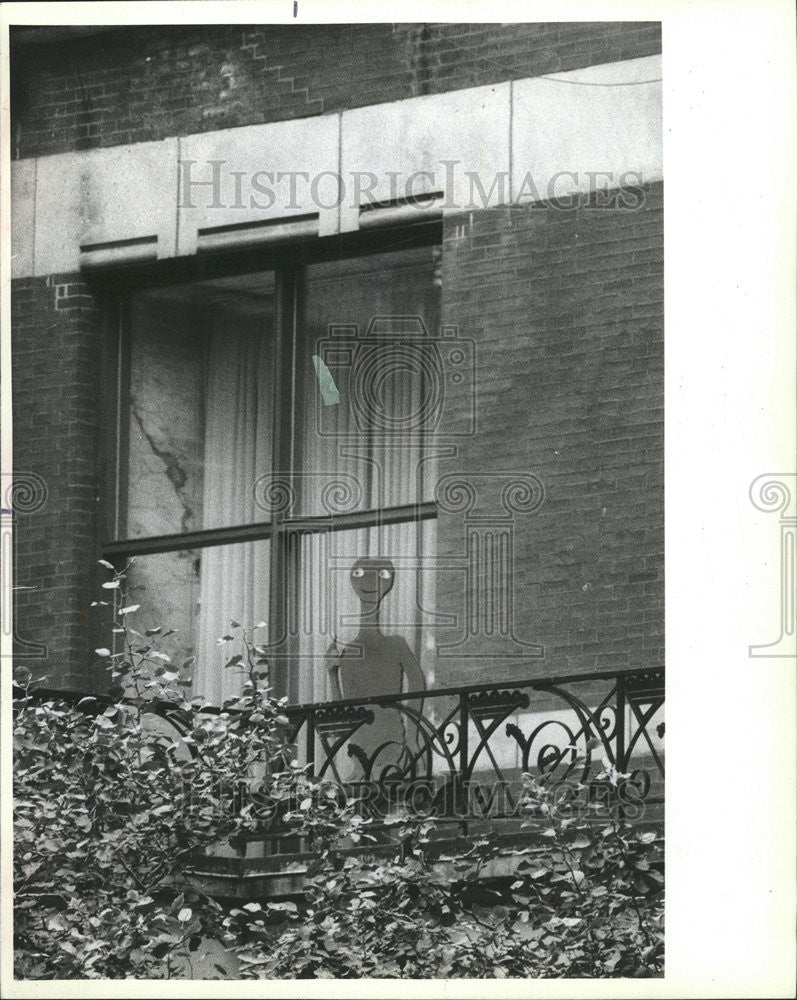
pixel 372 579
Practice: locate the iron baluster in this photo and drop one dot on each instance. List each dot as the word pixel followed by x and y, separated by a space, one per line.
pixel 621 761
pixel 461 798
pixel 311 740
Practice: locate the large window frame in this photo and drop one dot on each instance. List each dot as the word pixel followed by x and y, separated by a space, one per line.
pixel 287 261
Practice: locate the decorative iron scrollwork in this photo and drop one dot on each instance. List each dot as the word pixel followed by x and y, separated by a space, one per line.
pixel 496 704
pixel 343 720
pixel 646 682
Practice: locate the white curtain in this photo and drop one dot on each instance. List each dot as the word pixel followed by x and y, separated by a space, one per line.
pixel 384 469
pixel 380 469
pixel 238 431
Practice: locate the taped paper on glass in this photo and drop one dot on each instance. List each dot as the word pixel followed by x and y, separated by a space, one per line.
pixel 329 391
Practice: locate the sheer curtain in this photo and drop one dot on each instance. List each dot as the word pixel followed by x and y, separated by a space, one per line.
pixel 346 461
pixel 238 433
pixel 372 443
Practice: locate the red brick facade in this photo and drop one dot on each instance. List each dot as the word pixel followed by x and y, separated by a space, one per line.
pixel 145 83
pixel 57 350
pixel 566 309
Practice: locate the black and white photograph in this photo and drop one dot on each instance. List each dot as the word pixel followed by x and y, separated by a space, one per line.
pixel 333 503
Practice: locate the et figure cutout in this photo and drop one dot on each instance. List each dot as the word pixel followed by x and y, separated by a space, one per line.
pixel 374 663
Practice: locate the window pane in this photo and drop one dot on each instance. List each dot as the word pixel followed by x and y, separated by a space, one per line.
pixel 198 594
pixel 167 588
pixel 330 610
pixel 374 324
pixel 200 405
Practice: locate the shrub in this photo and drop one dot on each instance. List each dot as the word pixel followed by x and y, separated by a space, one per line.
pixel 111 813
pixel 586 901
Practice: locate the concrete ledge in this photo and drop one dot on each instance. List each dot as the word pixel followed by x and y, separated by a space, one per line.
pixel 529 140
pixel 104 198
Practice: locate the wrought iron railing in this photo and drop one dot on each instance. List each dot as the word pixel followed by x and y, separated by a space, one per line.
pixel 460 753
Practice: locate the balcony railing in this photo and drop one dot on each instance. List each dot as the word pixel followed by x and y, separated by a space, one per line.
pixel 459 753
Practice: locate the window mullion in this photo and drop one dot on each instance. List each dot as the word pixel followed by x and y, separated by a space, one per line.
pixel 282 571
pixel 122 374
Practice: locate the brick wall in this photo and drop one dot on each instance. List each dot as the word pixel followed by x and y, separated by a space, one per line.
pixel 145 83
pixel 566 310
pixel 56 373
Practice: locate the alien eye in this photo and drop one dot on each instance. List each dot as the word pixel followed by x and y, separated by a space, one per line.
pixel 358 572
pixel 384 574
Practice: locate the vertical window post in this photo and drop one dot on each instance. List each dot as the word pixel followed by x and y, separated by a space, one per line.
pixel 282 553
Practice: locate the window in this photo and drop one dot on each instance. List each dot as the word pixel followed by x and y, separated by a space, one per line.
pixel 275 426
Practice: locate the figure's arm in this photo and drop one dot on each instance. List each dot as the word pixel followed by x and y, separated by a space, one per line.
pixel 332 663
pixel 412 670
pixel 415 682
